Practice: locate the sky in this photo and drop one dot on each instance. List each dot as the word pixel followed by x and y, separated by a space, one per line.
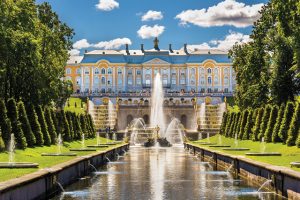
pixel 202 24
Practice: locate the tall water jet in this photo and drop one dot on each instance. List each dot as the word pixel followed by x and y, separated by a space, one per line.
pixel 82 141
pixel 174 132
pixel 98 138
pixel 111 120
pixel 157 99
pixel 11 150
pixel 138 131
pixel 59 144
pixel 202 115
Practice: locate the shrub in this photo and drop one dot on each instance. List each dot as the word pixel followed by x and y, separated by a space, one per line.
pixel 228 123
pixel 248 126
pixel 243 124
pixel 92 126
pixel 35 125
pixel 298 139
pixel 256 127
pixel 294 127
pixel 65 127
pixel 77 126
pixel 13 115
pixel 54 119
pixel 275 136
pixel 70 122
pixel 264 122
pixel 223 125
pixel 43 124
pixel 285 123
pixel 237 125
pixel 271 124
pixel 83 124
pixel 5 123
pixel 50 125
pixel 2 145
pixel 232 125
pixel 30 138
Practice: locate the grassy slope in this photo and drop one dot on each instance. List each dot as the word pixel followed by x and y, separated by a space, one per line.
pixel 289 154
pixel 34 155
pixel 72 107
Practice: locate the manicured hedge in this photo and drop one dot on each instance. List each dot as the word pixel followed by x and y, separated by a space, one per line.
pixel 294 127
pixel 271 124
pixel 285 123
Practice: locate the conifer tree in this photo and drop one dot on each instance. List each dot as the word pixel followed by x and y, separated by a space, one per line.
pixel 71 126
pixel 13 115
pixel 65 127
pixel 257 124
pixel 43 124
pixel 223 125
pixel 83 124
pixel 236 126
pixel 271 124
pixel 35 125
pixel 92 126
pixel 232 125
pixel 275 136
pixel 30 138
pixel 2 145
pixel 285 123
pixel 294 127
pixel 264 122
pixel 298 139
pixel 50 125
pixel 54 119
pixel 228 124
pixel 243 124
pixel 248 126
pixel 5 123
pixel 77 127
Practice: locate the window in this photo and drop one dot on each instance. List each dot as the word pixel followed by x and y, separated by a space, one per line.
pixel 97 71
pixel 138 72
pixel 216 80
pixel 102 71
pixel 155 71
pixel 68 71
pixel 216 71
pixel 165 80
pixel 173 71
pixel 209 90
pixel 78 71
pixel 109 81
pixel 182 72
pixel 202 80
pixel 216 90
pixel 148 80
pixel 130 71
pixel 182 80
pixel 226 81
pixel 201 70
pixel 120 80
pixel 192 71
pixel 209 70
pixel 86 70
pixel 148 71
pixel 209 80
pixel 165 71
pixel 192 79
pixel 138 81
pixel 109 71
pixel 78 80
pixel 129 81
pixel 226 70
pixel 226 90
pixel 103 80
pixel 96 81
pixel 119 71
pixel 173 80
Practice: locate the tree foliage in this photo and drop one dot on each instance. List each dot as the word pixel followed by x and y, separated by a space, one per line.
pixel 44 126
pixel 256 127
pixel 30 138
pixel 271 124
pixel 285 123
pixel 294 127
pixel 5 123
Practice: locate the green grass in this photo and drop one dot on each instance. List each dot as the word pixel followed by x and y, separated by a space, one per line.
pixel 34 155
pixel 289 154
pixel 72 107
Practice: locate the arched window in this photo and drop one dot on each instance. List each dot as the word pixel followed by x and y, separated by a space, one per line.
pixel 193 71
pixel 209 80
pixel 192 81
pixel 209 70
pixel 216 71
pixel 109 71
pixel 87 70
pixel 119 71
pixel 148 71
pixel 78 71
pixel 96 81
pixel 120 80
pixel 201 71
pixel 129 71
pixel 103 71
pixel 174 80
pixel 226 70
pixel 97 71
pixel 68 71
pixel 216 80
pixel 129 80
pixel 138 81
pixel 226 80
pixel 78 80
pixel 202 80
pixel 109 81
pixel 165 80
pixel 148 80
pixel 103 80
pixel 182 80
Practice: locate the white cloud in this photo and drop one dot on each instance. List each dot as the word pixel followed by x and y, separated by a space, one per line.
pixel 146 32
pixel 152 15
pixel 231 39
pixel 81 44
pixel 113 44
pixel 74 52
pixel 107 5
pixel 227 12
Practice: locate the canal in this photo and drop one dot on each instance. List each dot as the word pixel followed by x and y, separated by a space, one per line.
pixel 158 174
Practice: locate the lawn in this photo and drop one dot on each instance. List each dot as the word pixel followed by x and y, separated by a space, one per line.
pixel 289 154
pixel 70 105
pixel 34 155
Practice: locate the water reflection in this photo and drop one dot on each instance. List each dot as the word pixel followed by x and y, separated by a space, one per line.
pixel 161 173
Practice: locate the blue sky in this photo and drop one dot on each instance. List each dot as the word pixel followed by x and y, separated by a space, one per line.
pixel 107 24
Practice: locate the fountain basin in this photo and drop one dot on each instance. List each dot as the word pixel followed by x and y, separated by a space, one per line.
pixel 295 164
pixel 236 149
pixel 219 146
pixel 209 144
pixel 263 154
pixel 16 165
pixel 58 154
pixel 98 146
pixel 83 149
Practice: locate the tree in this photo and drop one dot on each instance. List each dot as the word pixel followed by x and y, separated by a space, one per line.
pixel 243 124
pixel 54 119
pixel 70 122
pixel 92 126
pixel 43 124
pixel 285 123
pixel 228 124
pixel 2 145
pixel 223 125
pixel 13 115
pixel 35 125
pixel 65 127
pixel 5 123
pixel 248 126
pixel 83 124
pixel 50 125
pixel 275 136
pixel 77 126
pixel 271 124
pixel 257 124
pixel 30 138
pixel 294 127
pixel 237 125
pixel 233 124
pixel 264 122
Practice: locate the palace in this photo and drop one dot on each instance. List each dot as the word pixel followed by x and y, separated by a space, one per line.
pixel 126 71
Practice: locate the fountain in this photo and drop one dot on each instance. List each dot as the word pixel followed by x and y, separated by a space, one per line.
pixel 59 143
pixel 98 145
pixel 262 151
pixel 11 153
pixel 236 145
pixel 174 133
pixel 83 148
pixel 220 144
pixel 111 111
pixel 157 98
pixel 139 134
pixel 114 136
